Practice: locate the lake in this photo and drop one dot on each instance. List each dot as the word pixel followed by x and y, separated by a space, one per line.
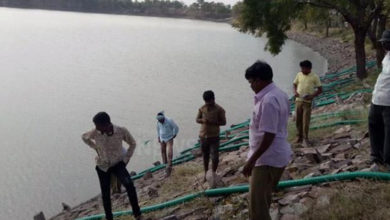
pixel 58 69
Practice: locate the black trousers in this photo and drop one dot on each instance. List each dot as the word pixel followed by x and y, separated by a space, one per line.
pixel 379 129
pixel 120 171
pixel 210 146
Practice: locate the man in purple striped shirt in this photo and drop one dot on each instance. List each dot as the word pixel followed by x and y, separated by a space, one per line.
pixel 269 151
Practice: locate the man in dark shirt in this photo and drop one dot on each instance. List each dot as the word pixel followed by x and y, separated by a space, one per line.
pixel 210 116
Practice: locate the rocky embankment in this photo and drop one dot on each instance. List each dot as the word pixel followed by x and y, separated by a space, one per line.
pixel 332 150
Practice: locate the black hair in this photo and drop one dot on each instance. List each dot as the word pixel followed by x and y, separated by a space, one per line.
pixel 208 95
pixel 306 64
pixel 259 70
pixel 101 118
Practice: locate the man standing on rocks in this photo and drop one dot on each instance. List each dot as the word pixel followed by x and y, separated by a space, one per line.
pixel 210 116
pixel 166 132
pixel 107 139
pixel 379 116
pixel 307 86
pixel 269 151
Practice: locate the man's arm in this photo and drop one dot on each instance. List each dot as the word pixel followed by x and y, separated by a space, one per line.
pixel 175 128
pixel 265 144
pixel 89 138
pixel 199 118
pixel 129 139
pixel 222 118
pixel 158 133
pixel 296 94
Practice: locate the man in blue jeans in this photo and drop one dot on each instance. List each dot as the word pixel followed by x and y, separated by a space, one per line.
pixel 107 140
pixel 379 116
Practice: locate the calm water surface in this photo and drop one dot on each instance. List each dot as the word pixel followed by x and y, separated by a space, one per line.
pixel 58 69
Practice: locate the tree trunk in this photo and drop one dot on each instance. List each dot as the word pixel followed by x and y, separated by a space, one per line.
pixel 360 54
pixel 380 52
pixel 328 24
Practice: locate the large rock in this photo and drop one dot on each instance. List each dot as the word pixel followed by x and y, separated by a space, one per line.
pixel 152 192
pixel 289 217
pixel 340 149
pixel 323 149
pixel 323 201
pixel 288 199
pixel 196 152
pixel 214 183
pixel 148 175
pixel 171 217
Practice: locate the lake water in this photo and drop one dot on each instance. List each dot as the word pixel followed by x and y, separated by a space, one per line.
pixel 58 69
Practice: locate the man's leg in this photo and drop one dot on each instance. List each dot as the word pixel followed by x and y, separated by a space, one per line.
pixel 376 130
pixel 168 168
pixel 306 119
pixel 104 179
pixel 263 181
pixel 299 120
pixel 206 156
pixel 386 146
pixel 170 152
pixel 164 152
pixel 214 145
pixel 123 175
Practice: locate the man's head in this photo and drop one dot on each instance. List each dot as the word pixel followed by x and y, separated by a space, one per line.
pixel 209 97
pixel 160 117
pixel 102 123
pixel 305 67
pixel 385 40
pixel 259 75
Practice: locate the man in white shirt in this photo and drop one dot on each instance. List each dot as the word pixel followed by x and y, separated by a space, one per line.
pixel 166 132
pixel 107 140
pixel 379 116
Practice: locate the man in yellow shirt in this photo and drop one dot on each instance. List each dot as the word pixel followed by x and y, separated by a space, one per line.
pixel 307 86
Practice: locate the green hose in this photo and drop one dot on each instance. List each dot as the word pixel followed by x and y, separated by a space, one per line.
pixel 245 188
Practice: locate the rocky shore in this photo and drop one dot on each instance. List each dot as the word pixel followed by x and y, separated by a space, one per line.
pixel 339 54
pixel 333 150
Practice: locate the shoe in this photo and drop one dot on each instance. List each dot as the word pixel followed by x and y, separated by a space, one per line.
pixel 138 217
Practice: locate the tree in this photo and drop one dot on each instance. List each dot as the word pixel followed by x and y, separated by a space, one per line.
pixel 274 17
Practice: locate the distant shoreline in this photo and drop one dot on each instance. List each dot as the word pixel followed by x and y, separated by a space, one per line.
pixel 224 20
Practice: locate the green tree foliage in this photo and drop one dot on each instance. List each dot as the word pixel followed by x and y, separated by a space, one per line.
pixel 171 8
pixel 213 10
pixel 274 18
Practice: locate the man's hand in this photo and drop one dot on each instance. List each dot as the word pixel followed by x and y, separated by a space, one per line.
pixel 247 171
pixel 296 94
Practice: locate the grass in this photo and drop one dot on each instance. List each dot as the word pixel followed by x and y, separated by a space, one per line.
pixel 182 177
pixel 362 199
